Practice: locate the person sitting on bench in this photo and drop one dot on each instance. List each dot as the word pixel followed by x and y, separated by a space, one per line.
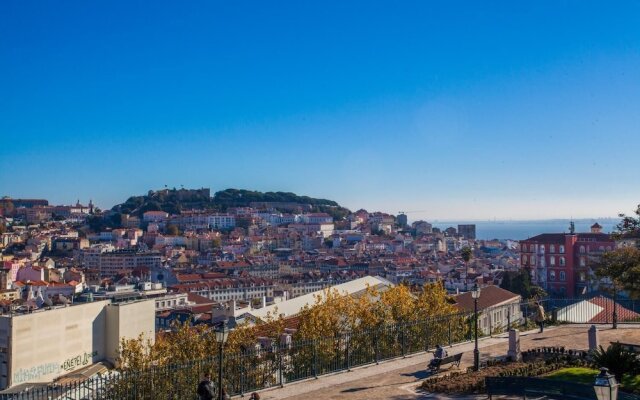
pixel 438 355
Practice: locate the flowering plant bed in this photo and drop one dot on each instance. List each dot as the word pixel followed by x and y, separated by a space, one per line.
pixel 473 382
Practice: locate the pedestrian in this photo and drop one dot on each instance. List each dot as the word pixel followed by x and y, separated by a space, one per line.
pixel 206 389
pixel 254 396
pixel 539 317
pixel 225 396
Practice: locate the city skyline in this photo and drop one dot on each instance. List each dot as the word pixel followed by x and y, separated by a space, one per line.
pixel 472 112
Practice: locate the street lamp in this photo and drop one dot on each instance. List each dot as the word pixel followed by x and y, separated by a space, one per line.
pixel 222 334
pixel 475 293
pixel 615 307
pixel 606 386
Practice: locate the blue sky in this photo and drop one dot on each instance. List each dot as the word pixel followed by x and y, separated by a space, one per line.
pixel 459 110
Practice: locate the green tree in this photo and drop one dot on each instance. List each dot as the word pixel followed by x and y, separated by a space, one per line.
pixel 630 225
pixel 173 230
pixel 622 267
pixel 519 282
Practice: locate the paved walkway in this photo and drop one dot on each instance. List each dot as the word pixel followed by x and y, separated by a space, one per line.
pixel 398 379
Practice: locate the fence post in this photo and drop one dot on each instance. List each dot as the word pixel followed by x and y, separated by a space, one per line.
pixel 348 345
pixel 402 340
pixel 315 359
pixel 242 370
pixel 449 326
pixel 278 348
pixel 426 335
pixel 375 343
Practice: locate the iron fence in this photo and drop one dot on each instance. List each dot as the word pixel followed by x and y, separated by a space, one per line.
pixel 281 363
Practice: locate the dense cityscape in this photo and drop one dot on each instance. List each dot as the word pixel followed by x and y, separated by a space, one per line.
pixel 145 270
pixel 345 200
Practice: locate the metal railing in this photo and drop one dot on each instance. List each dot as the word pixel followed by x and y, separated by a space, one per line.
pixel 278 364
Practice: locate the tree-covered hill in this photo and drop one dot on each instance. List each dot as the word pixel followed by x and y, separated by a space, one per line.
pixel 175 200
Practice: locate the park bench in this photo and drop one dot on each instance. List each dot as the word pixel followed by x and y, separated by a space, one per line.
pixel 453 360
pixel 630 347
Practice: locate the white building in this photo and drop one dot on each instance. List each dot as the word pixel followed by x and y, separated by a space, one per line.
pixel 43 345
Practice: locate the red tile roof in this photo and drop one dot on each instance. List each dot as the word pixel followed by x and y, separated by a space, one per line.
pixel 606 315
pixel 490 296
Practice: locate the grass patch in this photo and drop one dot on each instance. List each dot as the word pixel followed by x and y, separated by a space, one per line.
pixel 574 374
pixel 631 383
pixel 587 376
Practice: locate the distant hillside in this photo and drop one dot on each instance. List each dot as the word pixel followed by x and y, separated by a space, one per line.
pixel 175 200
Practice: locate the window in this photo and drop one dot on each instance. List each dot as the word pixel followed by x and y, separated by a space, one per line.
pixel 533 261
pixel 582 249
pixel 561 249
pixel 552 248
pixel 562 261
pixel 601 248
pixel 532 248
pixel 542 248
pixel 563 276
pixel 552 260
pixel 552 275
pixel 582 277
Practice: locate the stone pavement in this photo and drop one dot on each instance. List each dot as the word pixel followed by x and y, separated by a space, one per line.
pixel 398 379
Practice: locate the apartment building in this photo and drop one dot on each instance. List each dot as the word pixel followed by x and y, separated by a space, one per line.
pixel 564 263
pixel 229 289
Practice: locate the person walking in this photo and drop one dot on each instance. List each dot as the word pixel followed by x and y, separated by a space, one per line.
pixel 206 389
pixel 539 317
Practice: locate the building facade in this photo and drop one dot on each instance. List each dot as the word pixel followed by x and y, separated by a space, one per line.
pixel 564 264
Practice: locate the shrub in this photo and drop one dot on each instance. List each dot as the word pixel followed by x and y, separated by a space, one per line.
pixel 618 360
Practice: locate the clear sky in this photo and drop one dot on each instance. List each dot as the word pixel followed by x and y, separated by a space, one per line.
pixel 459 110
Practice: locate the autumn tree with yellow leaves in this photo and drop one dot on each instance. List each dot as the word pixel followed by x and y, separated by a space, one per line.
pixel 337 331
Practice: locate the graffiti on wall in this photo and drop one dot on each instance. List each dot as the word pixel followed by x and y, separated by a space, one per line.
pixel 30 374
pixel 35 373
pixel 78 361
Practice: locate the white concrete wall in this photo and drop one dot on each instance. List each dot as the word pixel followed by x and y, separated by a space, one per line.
pixel 128 320
pixel 47 344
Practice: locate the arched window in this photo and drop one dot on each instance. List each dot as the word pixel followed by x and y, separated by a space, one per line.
pixel 524 259
pixel 582 277
pixel 552 260
pixel 552 275
pixel 583 262
pixel 532 248
pixel 563 276
pixel 562 261
pixel 582 249
pixel 533 261
pixel 542 248
pixel 561 249
pixel 552 248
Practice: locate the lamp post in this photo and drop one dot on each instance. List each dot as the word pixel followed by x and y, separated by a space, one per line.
pixel 475 293
pixel 615 307
pixel 606 386
pixel 222 333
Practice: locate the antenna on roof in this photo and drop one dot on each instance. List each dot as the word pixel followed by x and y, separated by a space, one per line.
pixel 572 227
